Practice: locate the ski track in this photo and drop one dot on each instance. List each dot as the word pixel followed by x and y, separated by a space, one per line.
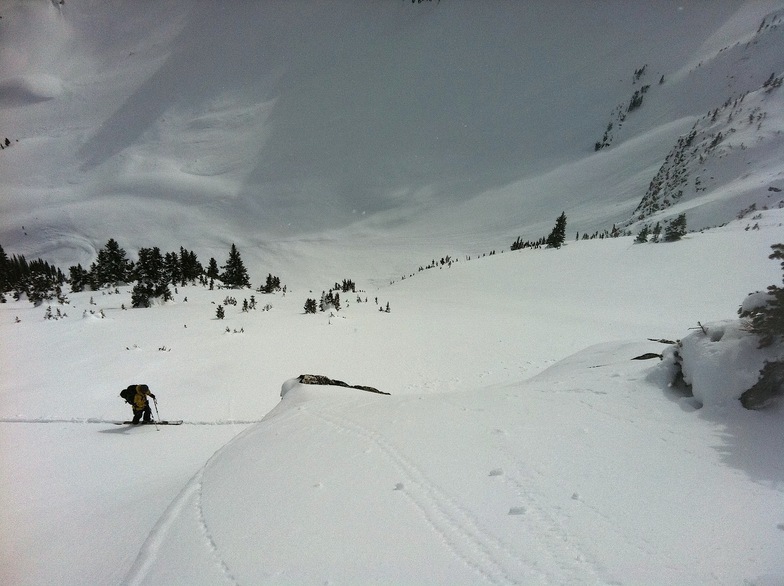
pixel 485 554
pixel 81 420
pixel 207 534
pixel 572 562
pixel 156 538
pixel 192 494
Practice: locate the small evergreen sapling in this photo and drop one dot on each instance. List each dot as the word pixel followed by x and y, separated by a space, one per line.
pixel 140 296
pixel 643 235
pixel 656 232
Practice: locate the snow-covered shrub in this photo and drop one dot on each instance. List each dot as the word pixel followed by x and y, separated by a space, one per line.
pixel 723 363
pixel 738 359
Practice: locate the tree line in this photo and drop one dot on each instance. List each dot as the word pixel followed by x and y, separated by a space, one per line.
pixel 152 274
pixel 37 279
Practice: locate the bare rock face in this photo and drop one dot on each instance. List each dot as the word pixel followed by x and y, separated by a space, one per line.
pixel 318 379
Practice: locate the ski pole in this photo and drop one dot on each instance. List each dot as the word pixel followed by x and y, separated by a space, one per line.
pixel 157 417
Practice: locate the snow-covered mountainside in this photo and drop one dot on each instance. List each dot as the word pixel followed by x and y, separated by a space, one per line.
pixel 363 141
pixel 476 122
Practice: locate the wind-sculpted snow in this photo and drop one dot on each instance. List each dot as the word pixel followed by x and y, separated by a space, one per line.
pixel 318 123
pixel 21 91
pixel 498 486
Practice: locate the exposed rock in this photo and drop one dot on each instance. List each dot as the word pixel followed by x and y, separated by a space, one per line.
pixel 318 379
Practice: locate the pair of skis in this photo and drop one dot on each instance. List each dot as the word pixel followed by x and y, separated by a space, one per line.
pixel 173 422
pixel 156 423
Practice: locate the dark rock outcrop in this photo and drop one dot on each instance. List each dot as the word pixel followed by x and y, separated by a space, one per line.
pixel 318 379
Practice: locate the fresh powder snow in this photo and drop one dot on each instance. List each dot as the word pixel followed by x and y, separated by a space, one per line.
pixel 520 443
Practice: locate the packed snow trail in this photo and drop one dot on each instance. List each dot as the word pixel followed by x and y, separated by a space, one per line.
pixel 79 420
pixel 187 505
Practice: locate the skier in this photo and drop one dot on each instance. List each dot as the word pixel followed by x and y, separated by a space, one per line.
pixel 140 405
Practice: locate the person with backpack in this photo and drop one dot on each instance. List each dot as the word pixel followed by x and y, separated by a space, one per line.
pixel 137 395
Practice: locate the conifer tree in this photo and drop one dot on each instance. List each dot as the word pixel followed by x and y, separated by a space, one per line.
pixel 642 237
pixel 220 313
pixel 767 321
pixel 140 296
pixel 37 279
pixel 272 284
pixel 172 268
pixel 675 229
pixel 190 267
pixel 4 268
pixel 212 269
pixel 153 280
pixel 234 272
pixel 310 306
pixel 111 267
pixel 149 267
pixel 79 278
pixel 558 234
pixel 656 232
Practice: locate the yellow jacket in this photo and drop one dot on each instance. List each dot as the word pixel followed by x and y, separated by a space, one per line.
pixel 140 398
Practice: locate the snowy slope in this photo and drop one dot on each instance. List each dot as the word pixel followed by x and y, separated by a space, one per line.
pixel 520 444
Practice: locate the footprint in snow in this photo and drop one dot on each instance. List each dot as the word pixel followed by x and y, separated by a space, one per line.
pixel 496 472
pixel 517 511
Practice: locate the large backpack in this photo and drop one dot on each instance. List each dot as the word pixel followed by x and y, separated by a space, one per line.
pixel 128 394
